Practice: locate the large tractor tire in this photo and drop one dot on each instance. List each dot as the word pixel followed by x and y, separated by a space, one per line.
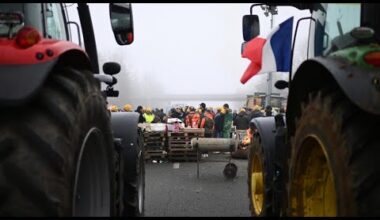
pixel 280 155
pixel 334 165
pixel 56 152
pixel 132 183
pixel 260 176
pixel 134 177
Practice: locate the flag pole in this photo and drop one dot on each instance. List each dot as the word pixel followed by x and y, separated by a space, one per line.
pixel 269 79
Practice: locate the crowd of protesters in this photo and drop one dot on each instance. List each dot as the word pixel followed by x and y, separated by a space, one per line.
pixel 217 123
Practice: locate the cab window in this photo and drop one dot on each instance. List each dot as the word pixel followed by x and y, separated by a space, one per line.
pixel 55 24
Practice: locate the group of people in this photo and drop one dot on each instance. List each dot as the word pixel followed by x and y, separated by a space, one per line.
pixel 245 115
pixel 147 115
pixel 217 123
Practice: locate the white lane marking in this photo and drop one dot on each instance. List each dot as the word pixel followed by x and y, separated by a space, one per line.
pixel 175 165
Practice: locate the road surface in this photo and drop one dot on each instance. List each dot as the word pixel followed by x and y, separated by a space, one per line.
pixel 172 189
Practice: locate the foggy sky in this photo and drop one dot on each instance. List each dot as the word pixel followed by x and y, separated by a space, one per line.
pixel 183 53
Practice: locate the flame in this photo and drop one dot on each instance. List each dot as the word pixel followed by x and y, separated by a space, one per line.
pixel 247 138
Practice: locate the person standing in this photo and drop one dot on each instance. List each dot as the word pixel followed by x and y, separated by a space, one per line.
pixel 182 115
pixel 148 115
pixel 227 123
pixel 185 112
pixel 161 114
pixel 211 111
pixel 268 111
pixel 140 111
pixel 202 106
pixel 127 108
pixel 280 118
pixel 234 114
pixel 192 119
pixel 241 121
pixel 256 112
pixel 174 113
pixel 196 120
pixel 157 118
pixel 207 123
pixel 218 123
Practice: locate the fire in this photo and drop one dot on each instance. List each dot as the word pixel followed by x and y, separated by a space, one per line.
pixel 247 138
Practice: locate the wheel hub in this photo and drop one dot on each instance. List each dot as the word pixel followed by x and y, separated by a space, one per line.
pixel 313 189
pixel 257 185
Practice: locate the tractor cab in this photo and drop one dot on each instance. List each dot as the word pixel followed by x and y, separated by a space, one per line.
pixel 339 26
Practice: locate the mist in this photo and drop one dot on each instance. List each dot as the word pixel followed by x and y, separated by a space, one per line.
pixel 184 53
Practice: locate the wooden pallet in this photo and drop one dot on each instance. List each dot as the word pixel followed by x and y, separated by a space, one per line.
pixel 154 140
pixel 184 134
pixel 154 134
pixel 182 153
pixel 179 144
pixel 154 154
pixel 161 148
pixel 181 148
pixel 154 143
pixel 182 157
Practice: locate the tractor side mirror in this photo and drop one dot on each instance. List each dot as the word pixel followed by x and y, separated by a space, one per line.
pixel 122 22
pixel 281 84
pixel 111 68
pixel 251 27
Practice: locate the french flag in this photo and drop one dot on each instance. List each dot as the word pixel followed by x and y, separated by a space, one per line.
pixel 271 54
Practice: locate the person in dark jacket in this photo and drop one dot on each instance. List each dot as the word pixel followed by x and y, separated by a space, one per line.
pixel 228 120
pixel 268 110
pixel 140 111
pixel 202 106
pixel 174 113
pixel 218 124
pixel 161 114
pixel 241 121
pixel 207 123
pixel 280 118
pixel 234 114
pixel 256 112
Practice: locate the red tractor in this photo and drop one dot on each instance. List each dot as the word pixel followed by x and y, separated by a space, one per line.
pixel 59 153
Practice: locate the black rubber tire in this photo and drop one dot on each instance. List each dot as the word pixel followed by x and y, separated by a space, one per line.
pixel 134 178
pixel 40 144
pixel 351 141
pixel 267 165
pixel 230 171
pixel 280 155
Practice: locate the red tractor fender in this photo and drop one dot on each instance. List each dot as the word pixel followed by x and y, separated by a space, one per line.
pixel 24 71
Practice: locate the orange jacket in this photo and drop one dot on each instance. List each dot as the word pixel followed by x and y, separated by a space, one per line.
pixel 193 120
pixel 208 115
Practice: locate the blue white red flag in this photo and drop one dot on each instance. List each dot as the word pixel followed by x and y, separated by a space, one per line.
pixel 271 54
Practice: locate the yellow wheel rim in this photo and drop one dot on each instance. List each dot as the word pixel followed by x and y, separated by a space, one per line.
pixel 313 188
pixel 257 186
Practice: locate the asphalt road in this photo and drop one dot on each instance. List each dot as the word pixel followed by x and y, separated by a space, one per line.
pixel 172 189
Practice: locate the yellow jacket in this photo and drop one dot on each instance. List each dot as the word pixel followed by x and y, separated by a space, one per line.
pixel 148 117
